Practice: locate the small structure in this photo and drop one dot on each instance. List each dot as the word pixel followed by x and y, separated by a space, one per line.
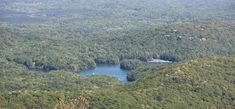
pixel 202 29
pixel 179 37
pixel 175 30
pixel 167 35
pixel 190 38
pixel 203 39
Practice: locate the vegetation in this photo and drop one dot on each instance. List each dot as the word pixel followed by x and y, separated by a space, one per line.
pixel 130 64
pixel 45 44
pixel 79 53
pixel 60 43
pixel 142 71
pixel 192 84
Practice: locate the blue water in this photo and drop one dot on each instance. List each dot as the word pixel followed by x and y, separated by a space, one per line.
pixel 109 70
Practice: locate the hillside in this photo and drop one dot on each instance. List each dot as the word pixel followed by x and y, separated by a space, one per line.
pixel 75 35
pixel 175 42
pixel 201 83
pixel 46 47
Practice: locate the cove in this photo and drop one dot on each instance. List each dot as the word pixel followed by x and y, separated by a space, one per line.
pixel 109 70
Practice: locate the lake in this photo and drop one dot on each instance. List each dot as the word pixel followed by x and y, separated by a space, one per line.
pixel 109 70
pixel 112 70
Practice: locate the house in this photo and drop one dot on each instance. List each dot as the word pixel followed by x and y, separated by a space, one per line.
pixel 203 39
pixel 179 37
pixel 167 35
pixel 190 38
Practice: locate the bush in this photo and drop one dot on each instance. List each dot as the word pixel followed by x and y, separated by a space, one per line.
pixel 130 64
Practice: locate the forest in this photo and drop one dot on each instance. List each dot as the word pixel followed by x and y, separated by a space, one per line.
pixel 44 45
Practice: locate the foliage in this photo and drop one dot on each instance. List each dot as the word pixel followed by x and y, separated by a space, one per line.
pixel 79 53
pixel 130 64
pixel 201 83
pixel 44 44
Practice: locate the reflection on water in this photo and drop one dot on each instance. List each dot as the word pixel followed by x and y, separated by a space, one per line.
pixel 109 70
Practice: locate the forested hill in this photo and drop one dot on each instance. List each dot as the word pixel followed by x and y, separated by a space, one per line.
pixel 74 35
pixel 45 44
pixel 201 83
pixel 37 48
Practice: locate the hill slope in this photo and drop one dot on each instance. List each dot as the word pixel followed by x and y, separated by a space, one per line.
pixel 201 83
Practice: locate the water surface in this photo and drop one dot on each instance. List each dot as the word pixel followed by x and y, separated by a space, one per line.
pixel 109 70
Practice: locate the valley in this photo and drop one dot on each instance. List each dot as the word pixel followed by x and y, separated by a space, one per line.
pixel 102 54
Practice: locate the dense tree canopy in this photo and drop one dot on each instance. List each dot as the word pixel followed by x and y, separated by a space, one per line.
pixel 191 84
pixel 44 44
